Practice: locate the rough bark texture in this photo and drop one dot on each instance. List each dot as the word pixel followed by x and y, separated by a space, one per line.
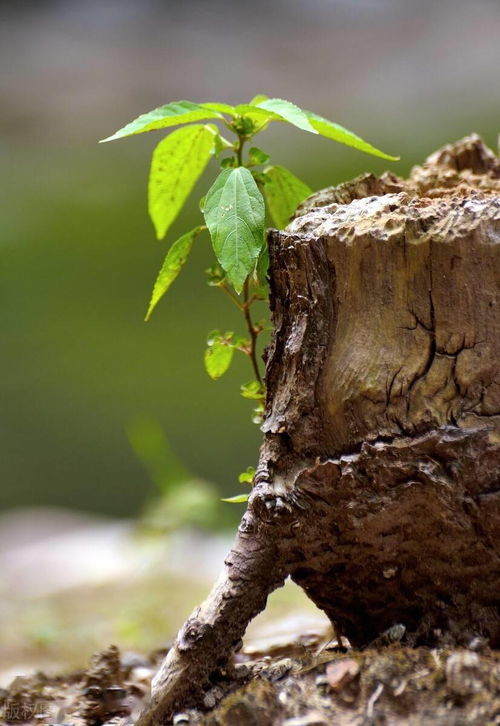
pixel 252 570
pixel 378 486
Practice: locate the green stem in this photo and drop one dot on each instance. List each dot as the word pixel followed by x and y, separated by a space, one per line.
pixel 239 150
pixel 232 296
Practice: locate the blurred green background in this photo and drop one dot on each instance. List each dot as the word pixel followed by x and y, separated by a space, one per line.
pixel 78 254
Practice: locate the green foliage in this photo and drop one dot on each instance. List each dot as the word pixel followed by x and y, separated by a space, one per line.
pixel 247 477
pixel 178 162
pixel 172 114
pixel 288 112
pixel 333 131
pixel 283 192
pixel 256 156
pixel 262 267
pixel 235 215
pixel 220 108
pixel 238 499
pixel 174 261
pixel 219 354
pixel 253 390
pixel 258 99
pixel 234 207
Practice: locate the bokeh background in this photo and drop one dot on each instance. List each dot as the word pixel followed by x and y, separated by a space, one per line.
pixel 98 409
pixel 78 364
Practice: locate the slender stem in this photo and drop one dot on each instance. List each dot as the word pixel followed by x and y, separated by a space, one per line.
pixel 239 150
pixel 252 332
pixel 232 296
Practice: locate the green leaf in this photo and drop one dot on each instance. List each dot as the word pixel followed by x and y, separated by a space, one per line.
pixel 215 275
pixel 219 354
pixel 246 110
pixel 259 117
pixel 283 192
pixel 220 108
pixel 247 126
pixel 259 177
pixel 247 477
pixel 238 499
pixel 289 112
pixel 257 156
pixel 178 162
pixel 262 266
pixel 220 144
pixel 338 133
pixel 309 121
pixel 215 336
pixel 253 390
pixel 174 261
pixel 235 217
pixel 242 344
pixel 274 109
pixel 172 114
pixel 258 99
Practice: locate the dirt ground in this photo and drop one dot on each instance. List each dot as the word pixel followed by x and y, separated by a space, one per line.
pixel 307 681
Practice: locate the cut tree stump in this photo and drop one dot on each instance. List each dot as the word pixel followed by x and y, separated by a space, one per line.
pixel 378 485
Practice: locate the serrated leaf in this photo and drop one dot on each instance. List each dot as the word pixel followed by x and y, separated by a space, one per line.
pixel 215 275
pixel 312 122
pixel 331 130
pixel 174 261
pixel 238 499
pixel 283 192
pixel 253 390
pixel 247 477
pixel 259 177
pixel 215 336
pixel 262 266
pixel 220 108
pixel 172 114
pixel 235 217
pixel 257 156
pixel 178 162
pixel 220 144
pixel 288 112
pixel 248 110
pixel 219 354
pixel 275 109
pixel 260 117
pixel 258 99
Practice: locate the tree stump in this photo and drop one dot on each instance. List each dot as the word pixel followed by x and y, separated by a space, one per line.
pixel 378 485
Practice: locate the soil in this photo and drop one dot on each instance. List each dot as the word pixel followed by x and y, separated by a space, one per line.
pixel 309 682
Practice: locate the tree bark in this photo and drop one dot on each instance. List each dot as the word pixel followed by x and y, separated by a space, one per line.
pixel 378 485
